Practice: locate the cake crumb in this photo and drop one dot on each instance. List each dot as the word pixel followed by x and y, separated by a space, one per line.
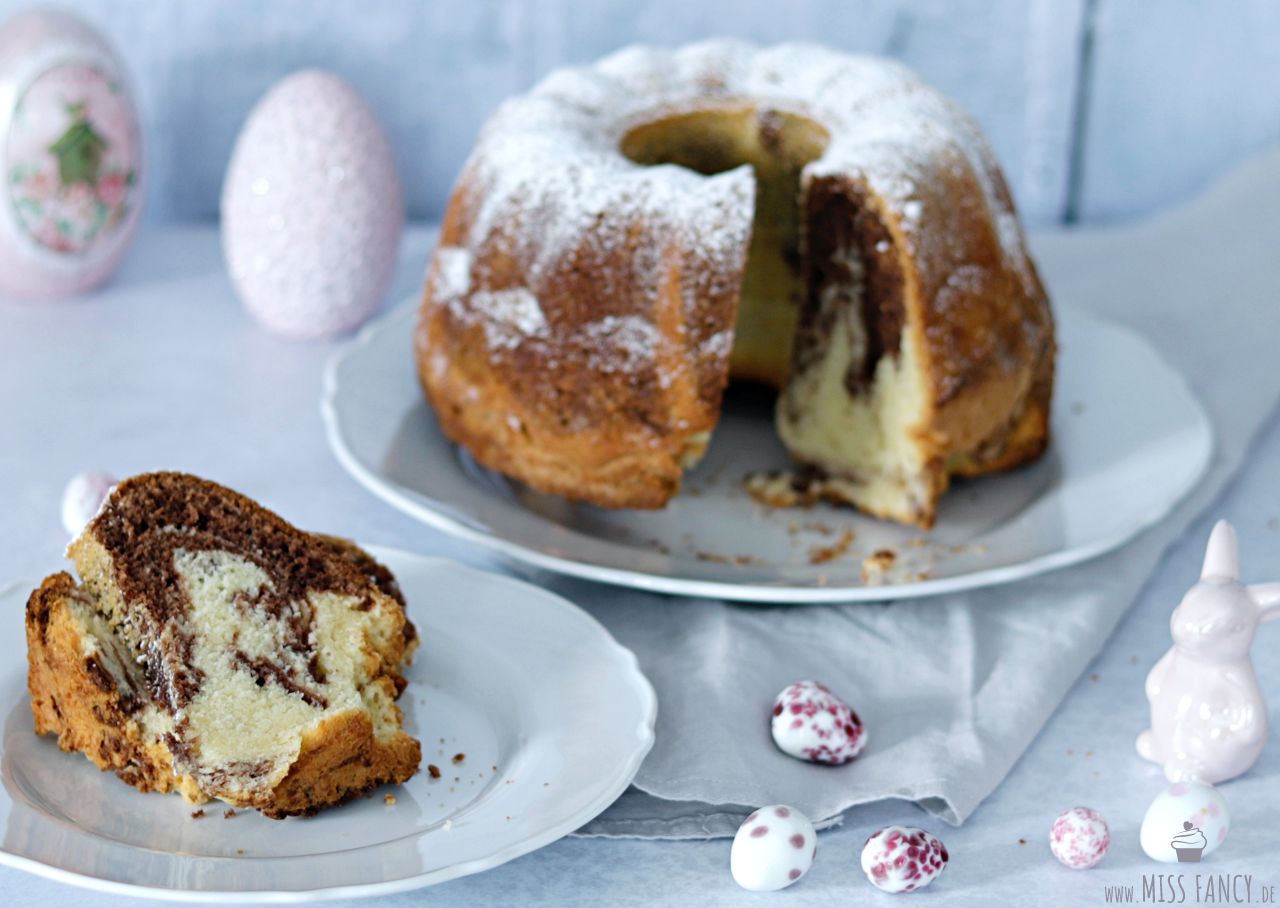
pixel 875 564
pixel 458 758
pixel 1022 841
pixel 228 813
pixel 1095 677
pixel 388 799
pixel 781 489
pixel 197 814
pixel 824 553
pixel 433 770
pixel 239 851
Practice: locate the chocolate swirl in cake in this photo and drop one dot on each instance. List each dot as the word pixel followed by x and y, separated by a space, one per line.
pixel 221 597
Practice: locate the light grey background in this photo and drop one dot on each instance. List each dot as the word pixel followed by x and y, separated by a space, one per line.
pixel 1099 109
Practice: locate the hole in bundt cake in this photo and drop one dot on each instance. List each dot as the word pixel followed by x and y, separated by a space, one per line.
pixel 821 314
pixel 777 145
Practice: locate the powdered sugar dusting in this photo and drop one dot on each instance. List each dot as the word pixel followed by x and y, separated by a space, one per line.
pixel 453 273
pixel 510 315
pixel 621 341
pixel 548 188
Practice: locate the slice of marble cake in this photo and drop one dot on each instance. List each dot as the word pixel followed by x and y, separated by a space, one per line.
pixel 214 649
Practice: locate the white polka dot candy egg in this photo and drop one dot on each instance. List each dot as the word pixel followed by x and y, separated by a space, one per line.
pixel 311 208
pixel 1186 822
pixel 811 723
pixel 903 858
pixel 773 848
pixel 1079 838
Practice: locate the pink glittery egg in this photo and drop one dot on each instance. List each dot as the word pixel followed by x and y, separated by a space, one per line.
pixel 772 849
pixel 1079 838
pixel 811 723
pixel 312 208
pixel 903 858
pixel 70 157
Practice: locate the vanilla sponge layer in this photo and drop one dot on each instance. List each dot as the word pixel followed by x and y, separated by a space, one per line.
pixel 248 728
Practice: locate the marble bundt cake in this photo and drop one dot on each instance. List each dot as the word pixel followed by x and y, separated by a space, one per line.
pixel 628 236
pixel 213 649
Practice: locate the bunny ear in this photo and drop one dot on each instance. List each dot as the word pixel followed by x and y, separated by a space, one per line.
pixel 1222 556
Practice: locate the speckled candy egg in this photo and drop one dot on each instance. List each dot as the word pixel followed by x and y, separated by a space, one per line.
pixel 311 208
pixel 72 157
pixel 82 498
pixel 811 723
pixel 1186 822
pixel 772 849
pixel 1079 838
pixel 903 858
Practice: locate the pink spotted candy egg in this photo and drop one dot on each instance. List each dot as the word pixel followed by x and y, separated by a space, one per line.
pixel 903 858
pixel 773 848
pixel 1079 838
pixel 811 723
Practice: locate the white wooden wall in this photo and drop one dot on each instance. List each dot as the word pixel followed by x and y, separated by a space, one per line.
pixel 1099 109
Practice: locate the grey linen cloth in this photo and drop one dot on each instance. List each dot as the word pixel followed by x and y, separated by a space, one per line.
pixel 954 688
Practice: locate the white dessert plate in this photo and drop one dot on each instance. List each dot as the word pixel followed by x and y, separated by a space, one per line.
pixel 552 715
pixel 1129 441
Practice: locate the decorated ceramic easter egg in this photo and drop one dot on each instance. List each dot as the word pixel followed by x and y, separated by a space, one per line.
pixel 1079 838
pixel 72 157
pixel 772 849
pixel 809 722
pixel 1186 822
pixel 311 208
pixel 903 858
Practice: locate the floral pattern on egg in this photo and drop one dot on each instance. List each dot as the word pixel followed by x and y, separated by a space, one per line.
pixel 72 158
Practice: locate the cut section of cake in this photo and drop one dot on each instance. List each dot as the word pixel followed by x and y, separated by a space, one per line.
pixel 213 649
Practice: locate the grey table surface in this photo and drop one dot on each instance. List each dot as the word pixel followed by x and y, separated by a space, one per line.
pixel 162 369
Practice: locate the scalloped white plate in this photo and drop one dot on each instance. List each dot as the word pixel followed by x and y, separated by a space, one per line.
pixel 1129 441
pixel 552 714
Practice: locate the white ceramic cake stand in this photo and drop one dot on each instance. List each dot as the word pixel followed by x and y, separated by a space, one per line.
pixel 1129 441
pixel 553 718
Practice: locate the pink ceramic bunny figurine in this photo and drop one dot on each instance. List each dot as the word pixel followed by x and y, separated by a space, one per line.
pixel 1208 721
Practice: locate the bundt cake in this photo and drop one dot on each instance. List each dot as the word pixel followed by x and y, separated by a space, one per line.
pixel 628 236
pixel 213 649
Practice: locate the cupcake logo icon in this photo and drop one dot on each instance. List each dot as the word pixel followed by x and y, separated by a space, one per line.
pixel 1189 844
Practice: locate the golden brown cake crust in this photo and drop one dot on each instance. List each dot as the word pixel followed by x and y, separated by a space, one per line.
pixel 88 687
pixel 75 698
pixel 560 263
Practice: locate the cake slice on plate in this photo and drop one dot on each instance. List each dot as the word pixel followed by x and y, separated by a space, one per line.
pixel 214 649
